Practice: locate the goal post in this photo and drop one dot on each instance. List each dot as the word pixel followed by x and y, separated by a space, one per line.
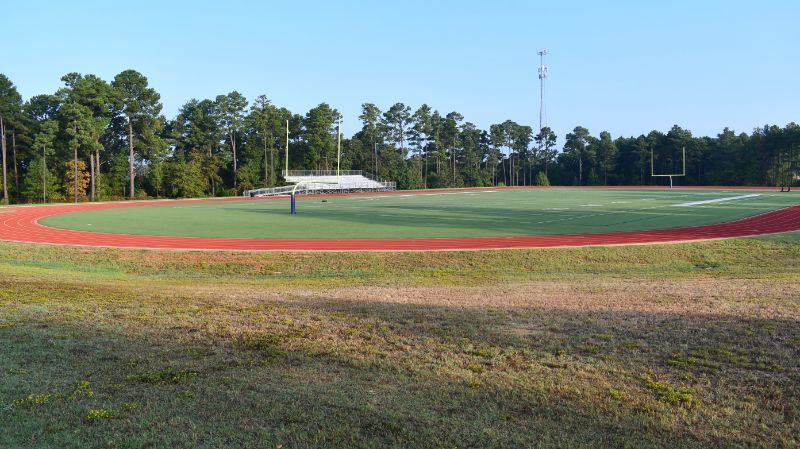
pixel 293 200
pixel 292 196
pixel 667 175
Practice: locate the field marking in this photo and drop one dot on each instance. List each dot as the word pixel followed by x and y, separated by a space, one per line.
pixel 717 200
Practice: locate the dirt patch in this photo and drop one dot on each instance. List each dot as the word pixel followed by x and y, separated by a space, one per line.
pixel 707 297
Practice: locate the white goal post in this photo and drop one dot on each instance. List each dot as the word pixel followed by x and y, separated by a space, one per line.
pixel 669 175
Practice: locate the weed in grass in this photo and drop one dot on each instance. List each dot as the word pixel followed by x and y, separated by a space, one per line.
pixel 130 406
pixel 165 376
pixel 81 390
pixel 97 414
pixel 614 393
pixel 714 356
pixel 591 348
pixel 268 345
pixel 604 337
pixel 475 368
pixel 769 327
pixel 632 345
pixel 185 394
pixel 680 361
pixel 668 393
pixel 773 392
pixel 33 400
pixel 706 265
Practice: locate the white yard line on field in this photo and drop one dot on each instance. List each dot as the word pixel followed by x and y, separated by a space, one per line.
pixel 717 200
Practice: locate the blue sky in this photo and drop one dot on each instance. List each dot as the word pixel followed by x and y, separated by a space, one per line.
pixel 627 67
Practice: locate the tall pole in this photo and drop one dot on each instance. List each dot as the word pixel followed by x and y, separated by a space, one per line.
pixel 286 172
pixel 684 161
pixel 542 76
pixel 338 147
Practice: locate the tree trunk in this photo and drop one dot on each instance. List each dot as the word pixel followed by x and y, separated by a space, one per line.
pixel 211 176
pixel 510 168
pixel 130 146
pixel 75 169
pixel 503 164
pixel 91 171
pixel 454 166
pixel 14 161
pixel 425 178
pixel 265 162
pixel 580 171
pixel 3 144
pixel 44 175
pixel 97 162
pixel 233 146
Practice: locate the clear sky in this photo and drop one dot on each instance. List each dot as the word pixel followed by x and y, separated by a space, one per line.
pixel 627 67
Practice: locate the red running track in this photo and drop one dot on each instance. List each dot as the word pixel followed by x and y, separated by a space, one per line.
pixel 20 224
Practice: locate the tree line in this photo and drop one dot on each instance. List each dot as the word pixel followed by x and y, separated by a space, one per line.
pixel 97 140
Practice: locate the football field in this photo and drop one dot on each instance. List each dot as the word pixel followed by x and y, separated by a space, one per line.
pixel 434 214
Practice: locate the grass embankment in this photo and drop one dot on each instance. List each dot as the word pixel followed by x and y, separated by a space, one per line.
pixel 690 345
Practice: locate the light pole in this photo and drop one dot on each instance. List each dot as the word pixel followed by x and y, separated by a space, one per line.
pixel 542 76
pixel 338 147
pixel 286 171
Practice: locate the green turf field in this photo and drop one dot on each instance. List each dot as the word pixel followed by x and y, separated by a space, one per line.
pixel 436 214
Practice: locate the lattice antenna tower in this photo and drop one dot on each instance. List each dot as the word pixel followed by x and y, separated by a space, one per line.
pixel 542 76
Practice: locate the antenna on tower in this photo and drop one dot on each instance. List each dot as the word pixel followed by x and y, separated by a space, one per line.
pixel 542 76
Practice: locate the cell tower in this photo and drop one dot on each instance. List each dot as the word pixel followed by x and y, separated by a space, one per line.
pixel 542 76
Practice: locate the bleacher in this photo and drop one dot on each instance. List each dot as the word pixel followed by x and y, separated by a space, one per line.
pixel 309 182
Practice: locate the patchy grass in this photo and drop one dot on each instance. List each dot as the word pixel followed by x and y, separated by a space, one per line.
pixel 770 257
pixel 121 348
pixel 668 393
pixel 166 375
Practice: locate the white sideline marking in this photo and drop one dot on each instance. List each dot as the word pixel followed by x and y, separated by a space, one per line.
pixel 717 200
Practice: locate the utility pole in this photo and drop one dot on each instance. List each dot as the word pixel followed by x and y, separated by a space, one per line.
pixel 542 76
